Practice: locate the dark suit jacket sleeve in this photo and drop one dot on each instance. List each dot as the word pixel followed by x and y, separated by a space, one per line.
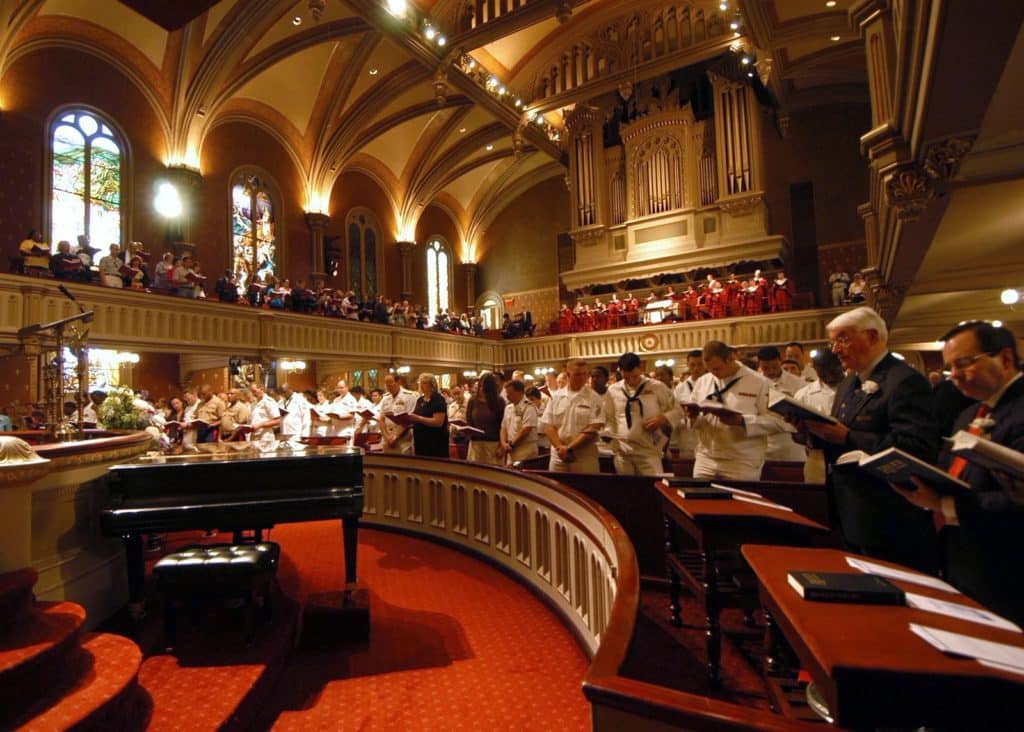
pixel 988 506
pixel 912 428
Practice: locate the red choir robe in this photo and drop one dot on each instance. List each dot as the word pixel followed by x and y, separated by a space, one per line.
pixel 782 295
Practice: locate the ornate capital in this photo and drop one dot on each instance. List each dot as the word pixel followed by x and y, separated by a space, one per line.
pixel 405 248
pixel 908 190
pixel 317 222
pixel 942 160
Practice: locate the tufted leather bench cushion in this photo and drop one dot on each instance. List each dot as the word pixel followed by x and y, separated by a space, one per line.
pixel 218 567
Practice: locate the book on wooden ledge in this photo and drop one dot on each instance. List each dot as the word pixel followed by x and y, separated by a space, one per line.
pixel 796 411
pixel 989 455
pixel 895 466
pixel 852 587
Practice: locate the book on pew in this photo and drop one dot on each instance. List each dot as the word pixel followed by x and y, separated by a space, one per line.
pixel 852 587
pixel 796 411
pixel 989 455
pixel 895 466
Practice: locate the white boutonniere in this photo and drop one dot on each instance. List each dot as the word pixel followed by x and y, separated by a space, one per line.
pixel 983 425
pixel 869 387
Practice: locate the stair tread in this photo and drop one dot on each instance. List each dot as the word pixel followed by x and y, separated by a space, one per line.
pixel 50 625
pixel 114 667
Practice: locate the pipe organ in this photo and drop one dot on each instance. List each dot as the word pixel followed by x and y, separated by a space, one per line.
pixel 675 193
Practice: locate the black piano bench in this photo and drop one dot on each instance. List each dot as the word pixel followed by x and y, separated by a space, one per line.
pixel 242 571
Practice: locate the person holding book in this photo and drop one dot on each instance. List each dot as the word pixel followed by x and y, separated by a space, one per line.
pixel 684 439
pixel 429 420
pixel 732 439
pixel 209 411
pixel 637 408
pixel 34 251
pixel 234 422
pixel 882 403
pixel 820 395
pixel 110 268
pixel 265 414
pixel 396 437
pixel 485 411
pixel 518 424
pixel 781 445
pixel 295 423
pixel 982 529
pixel 571 421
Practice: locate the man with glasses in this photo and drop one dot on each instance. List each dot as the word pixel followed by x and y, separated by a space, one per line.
pixel 881 403
pixel 982 529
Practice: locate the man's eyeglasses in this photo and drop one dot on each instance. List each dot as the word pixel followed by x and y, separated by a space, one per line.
pixel 843 339
pixel 964 362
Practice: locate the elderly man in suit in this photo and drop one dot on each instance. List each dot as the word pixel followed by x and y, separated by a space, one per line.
pixel 982 529
pixel 881 403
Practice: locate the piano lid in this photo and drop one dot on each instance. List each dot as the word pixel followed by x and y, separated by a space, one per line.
pixel 221 454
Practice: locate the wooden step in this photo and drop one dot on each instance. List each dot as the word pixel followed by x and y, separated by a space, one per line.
pixel 16 599
pixel 105 695
pixel 35 654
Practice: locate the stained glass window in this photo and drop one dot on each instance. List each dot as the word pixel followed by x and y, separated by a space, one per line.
pixel 253 231
pixel 438 269
pixel 362 254
pixel 87 168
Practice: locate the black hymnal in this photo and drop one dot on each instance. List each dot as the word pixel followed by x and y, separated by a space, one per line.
pixel 794 410
pixel 852 587
pixel 895 466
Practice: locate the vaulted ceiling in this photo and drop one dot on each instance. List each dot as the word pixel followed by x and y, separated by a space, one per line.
pixel 346 84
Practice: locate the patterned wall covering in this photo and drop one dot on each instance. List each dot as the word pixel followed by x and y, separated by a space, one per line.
pixel 542 304
pixel 17 202
pixel 845 256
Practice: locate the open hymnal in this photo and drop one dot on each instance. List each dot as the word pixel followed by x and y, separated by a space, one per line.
pixel 895 466
pixel 463 426
pixel 367 414
pixel 402 418
pixel 796 411
pixel 710 407
pixel 990 455
pixel 330 415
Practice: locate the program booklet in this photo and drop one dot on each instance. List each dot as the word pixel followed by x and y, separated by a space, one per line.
pixel 895 466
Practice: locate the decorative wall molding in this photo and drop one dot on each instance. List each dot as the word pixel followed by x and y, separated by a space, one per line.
pixel 942 159
pixel 908 190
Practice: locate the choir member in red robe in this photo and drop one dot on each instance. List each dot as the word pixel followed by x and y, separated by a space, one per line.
pixel 782 293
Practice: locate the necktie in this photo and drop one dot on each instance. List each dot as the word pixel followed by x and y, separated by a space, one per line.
pixel 629 404
pixel 959 463
pixel 957 466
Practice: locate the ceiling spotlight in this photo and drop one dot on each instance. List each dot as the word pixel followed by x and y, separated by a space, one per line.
pixel 429 32
pixel 493 81
pixel 750 74
pixel 398 8
pixel 830 4
pixel 723 6
pixel 488 147
pixel 519 103
pixel 997 323
pixel 441 40
pixel 374 71
pixel 502 90
pixel 745 60
pixel 297 20
pixel 462 130
pixel 834 38
pixel 1009 297
pixel 472 64
pixel 734 25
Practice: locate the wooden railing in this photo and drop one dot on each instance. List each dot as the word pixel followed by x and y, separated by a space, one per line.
pixel 571 552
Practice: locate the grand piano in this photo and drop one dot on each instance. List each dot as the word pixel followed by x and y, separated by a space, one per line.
pixel 232 491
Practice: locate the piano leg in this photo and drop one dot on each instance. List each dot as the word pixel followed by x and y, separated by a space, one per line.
pixel 350 538
pixel 136 575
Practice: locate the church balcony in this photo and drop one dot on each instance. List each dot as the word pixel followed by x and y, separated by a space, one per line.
pixel 672 339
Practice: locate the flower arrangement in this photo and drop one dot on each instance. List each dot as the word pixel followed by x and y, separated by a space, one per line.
pixel 120 412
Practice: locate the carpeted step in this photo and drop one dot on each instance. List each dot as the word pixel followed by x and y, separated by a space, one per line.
pixel 16 599
pixel 33 656
pixel 104 696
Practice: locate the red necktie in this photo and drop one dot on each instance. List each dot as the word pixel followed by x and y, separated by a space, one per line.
pixel 959 463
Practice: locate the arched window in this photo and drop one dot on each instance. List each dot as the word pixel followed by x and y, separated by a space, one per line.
pixel 363 235
pixel 86 170
pixel 438 276
pixel 254 245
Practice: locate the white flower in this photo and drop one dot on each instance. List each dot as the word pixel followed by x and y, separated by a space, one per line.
pixel 983 425
pixel 869 387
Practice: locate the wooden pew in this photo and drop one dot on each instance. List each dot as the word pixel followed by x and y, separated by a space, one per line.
pixel 634 502
pixel 774 470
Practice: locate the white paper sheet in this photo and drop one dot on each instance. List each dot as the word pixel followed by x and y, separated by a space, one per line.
pixel 766 504
pixel 963 612
pixel 1000 654
pixel 898 574
pixel 737 491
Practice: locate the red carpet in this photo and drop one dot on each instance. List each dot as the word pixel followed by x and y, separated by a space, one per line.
pixel 453 643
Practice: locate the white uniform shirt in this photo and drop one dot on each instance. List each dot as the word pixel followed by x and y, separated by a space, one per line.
pixel 684 439
pixel 295 423
pixel 817 394
pixel 571 412
pixel 747 393
pixel 364 426
pixel 628 434
pixel 781 446
pixel 402 403
pixel 320 427
pixel 262 411
pixel 343 406
pixel 517 417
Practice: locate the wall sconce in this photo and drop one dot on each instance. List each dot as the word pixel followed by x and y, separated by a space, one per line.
pixel 288 365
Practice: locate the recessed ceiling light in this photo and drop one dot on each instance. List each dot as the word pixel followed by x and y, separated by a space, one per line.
pixel 834 38
pixel 488 147
pixel 374 71
pixel 830 4
pixel 462 130
pixel 297 20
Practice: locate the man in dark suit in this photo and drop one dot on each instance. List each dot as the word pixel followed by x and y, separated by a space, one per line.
pixel 983 529
pixel 881 403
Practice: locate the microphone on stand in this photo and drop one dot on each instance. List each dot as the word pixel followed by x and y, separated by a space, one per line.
pixel 67 293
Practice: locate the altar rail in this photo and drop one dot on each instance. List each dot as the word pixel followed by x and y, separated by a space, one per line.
pixel 140 321
pixel 570 551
